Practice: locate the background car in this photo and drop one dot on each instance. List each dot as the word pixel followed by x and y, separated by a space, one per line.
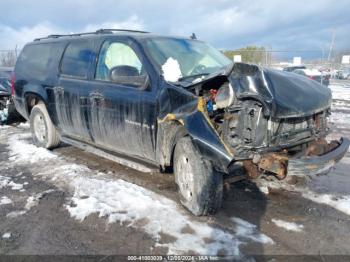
pixel 314 74
pixel 343 73
pixel 8 111
pixel 292 68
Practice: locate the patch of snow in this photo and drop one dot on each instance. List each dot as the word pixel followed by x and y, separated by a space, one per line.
pixel 4 181
pixel 136 206
pixel 171 70
pixel 15 214
pixel 25 125
pixel 6 235
pixel 247 230
pixel 4 200
pixel 290 226
pixel 264 189
pixel 341 203
pixel 24 152
pixel 340 92
pixel 33 201
pixel 15 186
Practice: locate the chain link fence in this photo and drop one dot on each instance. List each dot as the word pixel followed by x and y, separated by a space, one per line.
pixel 282 58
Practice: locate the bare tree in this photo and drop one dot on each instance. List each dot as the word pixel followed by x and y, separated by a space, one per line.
pixel 8 58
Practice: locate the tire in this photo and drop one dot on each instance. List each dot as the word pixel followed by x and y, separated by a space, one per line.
pixel 200 186
pixel 44 133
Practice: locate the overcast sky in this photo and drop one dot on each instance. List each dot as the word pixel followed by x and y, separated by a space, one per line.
pixel 278 25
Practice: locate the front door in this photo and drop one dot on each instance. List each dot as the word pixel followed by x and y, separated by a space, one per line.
pixel 122 115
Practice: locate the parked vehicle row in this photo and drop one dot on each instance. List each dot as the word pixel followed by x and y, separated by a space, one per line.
pixel 314 74
pixel 343 73
pixel 175 102
pixel 7 107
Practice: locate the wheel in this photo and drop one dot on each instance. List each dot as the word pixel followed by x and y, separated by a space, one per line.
pixel 43 131
pixel 200 186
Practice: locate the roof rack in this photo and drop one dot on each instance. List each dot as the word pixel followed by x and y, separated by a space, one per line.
pixel 100 31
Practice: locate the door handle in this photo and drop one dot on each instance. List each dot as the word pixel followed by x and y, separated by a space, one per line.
pixel 96 96
pixel 58 90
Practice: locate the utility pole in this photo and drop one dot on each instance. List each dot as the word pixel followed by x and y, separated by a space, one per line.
pixel 331 47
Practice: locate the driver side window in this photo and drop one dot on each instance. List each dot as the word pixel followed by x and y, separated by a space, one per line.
pixel 119 63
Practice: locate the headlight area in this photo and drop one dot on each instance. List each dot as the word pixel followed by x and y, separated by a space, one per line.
pixel 261 143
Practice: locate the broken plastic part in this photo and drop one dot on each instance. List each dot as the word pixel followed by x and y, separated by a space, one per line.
pixel 224 97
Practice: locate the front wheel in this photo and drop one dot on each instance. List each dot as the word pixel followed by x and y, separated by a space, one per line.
pixel 44 133
pixel 200 185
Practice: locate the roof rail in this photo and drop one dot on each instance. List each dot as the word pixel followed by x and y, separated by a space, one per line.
pixel 100 31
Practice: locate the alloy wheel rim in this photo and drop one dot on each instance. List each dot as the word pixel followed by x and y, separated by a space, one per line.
pixel 185 178
pixel 39 127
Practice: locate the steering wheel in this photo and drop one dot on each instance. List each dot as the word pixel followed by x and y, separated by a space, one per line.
pixel 199 69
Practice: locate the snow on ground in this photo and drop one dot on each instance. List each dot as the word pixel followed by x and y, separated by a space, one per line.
pixel 4 200
pixel 6 235
pixel 340 92
pixel 6 182
pixel 290 226
pixel 33 201
pixel 339 202
pixel 25 151
pixel 129 204
pixel 16 213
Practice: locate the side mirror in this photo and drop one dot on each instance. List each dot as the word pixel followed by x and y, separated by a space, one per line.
pixel 129 76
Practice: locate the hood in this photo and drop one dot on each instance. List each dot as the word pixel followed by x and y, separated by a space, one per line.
pixel 283 94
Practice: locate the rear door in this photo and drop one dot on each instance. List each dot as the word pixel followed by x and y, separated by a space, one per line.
pixel 122 115
pixel 72 93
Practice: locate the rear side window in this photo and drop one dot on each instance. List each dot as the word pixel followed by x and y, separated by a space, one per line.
pixel 35 61
pixel 77 59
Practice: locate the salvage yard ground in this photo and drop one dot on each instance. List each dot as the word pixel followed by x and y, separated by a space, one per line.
pixel 71 202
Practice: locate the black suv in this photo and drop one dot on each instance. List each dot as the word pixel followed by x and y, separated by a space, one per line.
pixel 175 103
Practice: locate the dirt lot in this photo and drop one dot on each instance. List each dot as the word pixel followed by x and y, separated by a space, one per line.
pixel 71 202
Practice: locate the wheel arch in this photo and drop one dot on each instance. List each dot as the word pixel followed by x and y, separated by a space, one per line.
pixel 169 133
pixel 31 99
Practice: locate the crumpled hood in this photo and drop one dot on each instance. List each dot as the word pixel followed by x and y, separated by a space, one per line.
pixel 285 94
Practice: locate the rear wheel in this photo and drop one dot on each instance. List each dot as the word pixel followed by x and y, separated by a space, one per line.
pixel 44 133
pixel 200 185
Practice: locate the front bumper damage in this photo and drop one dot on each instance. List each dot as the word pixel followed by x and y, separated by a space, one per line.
pixel 318 158
pixel 319 164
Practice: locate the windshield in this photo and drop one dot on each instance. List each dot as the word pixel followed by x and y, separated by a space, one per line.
pixel 194 58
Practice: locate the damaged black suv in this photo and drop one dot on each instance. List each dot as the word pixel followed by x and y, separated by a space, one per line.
pixel 174 103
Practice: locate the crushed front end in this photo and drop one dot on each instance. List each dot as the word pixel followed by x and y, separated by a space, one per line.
pixel 271 122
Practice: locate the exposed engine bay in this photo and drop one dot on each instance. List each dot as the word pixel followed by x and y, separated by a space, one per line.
pixel 243 126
